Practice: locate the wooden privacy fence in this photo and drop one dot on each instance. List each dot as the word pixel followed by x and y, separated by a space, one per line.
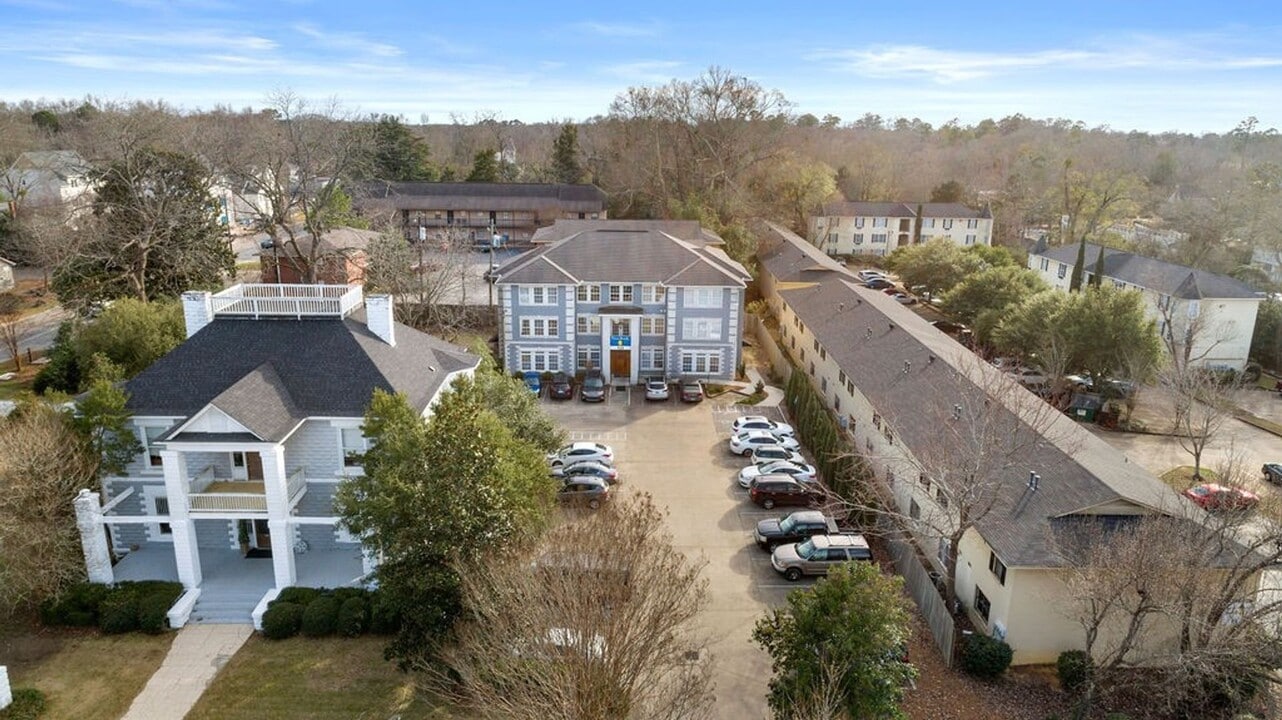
pixel 923 591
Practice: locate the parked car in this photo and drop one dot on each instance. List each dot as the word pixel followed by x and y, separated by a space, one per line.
pixel 744 442
pixel 770 453
pixel 691 390
pixel 534 382
pixel 878 283
pixel 587 468
pixel 1213 496
pixel 760 422
pixel 562 387
pixel 818 554
pixel 782 490
pixel 593 389
pixel 794 528
pixel 656 388
pixel 948 327
pixel 585 491
pixel 800 471
pixel 1028 377
pixel 581 452
pixel 866 275
pixel 1273 472
pixel 902 298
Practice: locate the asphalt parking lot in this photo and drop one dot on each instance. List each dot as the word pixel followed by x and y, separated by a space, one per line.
pixel 678 453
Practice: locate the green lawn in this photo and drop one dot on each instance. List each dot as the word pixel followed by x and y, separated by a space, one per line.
pixel 304 678
pixel 84 675
pixel 1181 478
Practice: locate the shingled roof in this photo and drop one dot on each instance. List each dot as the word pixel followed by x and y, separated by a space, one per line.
pixel 914 375
pixel 903 210
pixel 1160 276
pixel 621 255
pixel 688 230
pixel 794 261
pixel 271 373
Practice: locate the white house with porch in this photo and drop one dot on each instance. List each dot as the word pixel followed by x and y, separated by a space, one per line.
pixel 248 428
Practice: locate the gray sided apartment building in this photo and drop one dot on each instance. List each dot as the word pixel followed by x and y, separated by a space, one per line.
pixel 634 299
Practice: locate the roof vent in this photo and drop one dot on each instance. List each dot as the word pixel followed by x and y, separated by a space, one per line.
pixel 892 325
pixel 957 412
pixel 908 365
pixel 930 359
pixel 868 333
pixel 841 307
pixel 1033 481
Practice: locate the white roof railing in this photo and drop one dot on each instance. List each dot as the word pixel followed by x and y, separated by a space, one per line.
pixel 280 300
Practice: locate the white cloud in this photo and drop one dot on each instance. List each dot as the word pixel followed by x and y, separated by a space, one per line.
pixel 643 71
pixel 348 41
pixel 614 29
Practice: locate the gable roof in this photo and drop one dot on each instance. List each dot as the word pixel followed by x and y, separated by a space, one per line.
pixel 688 230
pixel 870 336
pixel 903 210
pixel 487 196
pixel 62 163
pixel 798 261
pixel 338 239
pixel 270 373
pixel 1161 276
pixel 610 254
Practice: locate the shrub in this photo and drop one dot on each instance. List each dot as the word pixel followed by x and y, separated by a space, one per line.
pixel 320 617
pixel 343 594
pixel 353 616
pixel 384 617
pixel 1117 716
pixel 985 657
pixel 118 613
pixel 153 613
pixel 282 620
pixel 301 596
pixel 1073 667
pixel 77 606
pixel 28 704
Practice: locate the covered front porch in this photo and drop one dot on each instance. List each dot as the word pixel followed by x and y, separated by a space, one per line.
pixel 230 570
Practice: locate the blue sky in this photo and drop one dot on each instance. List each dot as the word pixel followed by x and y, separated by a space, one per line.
pixel 1192 67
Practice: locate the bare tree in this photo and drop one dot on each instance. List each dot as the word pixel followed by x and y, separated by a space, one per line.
pixel 426 277
pixel 287 166
pixel 12 326
pixel 1203 401
pixel 42 465
pixel 1187 598
pixel 986 429
pixel 45 237
pixel 597 623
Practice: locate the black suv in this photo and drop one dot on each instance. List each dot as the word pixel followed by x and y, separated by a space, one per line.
pixel 771 490
pixel 562 387
pixel 793 529
pixel 593 389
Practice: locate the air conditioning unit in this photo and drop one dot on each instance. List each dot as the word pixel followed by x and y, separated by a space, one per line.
pixel 999 631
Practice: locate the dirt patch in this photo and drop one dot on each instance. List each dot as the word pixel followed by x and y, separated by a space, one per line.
pixel 1024 693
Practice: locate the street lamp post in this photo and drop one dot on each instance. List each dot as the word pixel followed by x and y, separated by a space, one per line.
pixel 491 274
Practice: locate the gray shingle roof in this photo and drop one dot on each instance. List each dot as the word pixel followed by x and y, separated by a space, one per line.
pixel 1078 470
pixel 903 210
pixel 688 230
pixel 791 259
pixel 606 254
pixel 487 196
pixel 267 373
pixel 1158 275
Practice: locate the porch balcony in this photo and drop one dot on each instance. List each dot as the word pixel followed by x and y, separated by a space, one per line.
pixel 276 300
pixel 211 494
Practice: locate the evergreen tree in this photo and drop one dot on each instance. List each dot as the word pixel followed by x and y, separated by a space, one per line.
pixel 1098 280
pixel 1075 282
pixel 565 156
pixel 399 154
pixel 485 167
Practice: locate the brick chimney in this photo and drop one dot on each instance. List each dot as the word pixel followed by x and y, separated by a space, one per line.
pixel 198 310
pixel 379 317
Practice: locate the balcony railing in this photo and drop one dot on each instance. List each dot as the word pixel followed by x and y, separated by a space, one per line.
pixel 258 300
pixel 210 494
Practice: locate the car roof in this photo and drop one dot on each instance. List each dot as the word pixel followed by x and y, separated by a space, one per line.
pixel 809 515
pixel 775 446
pixel 788 463
pixel 581 444
pixel 588 480
pixel 839 541
pixel 750 418
pixel 756 432
pixel 776 477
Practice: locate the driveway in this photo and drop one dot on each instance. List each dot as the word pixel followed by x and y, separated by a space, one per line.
pixel 678 454
pixel 38 331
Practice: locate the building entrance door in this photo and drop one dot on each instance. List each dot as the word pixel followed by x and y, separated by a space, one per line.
pixel 262 535
pixel 620 365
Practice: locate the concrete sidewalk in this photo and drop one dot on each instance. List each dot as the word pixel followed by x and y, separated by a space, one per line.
pixel 195 657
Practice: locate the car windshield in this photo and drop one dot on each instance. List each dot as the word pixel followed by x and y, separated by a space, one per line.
pixel 787 524
pixel 1201 490
pixel 593 383
pixel 806 549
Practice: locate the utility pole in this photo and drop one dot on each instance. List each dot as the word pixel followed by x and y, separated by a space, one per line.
pixel 493 248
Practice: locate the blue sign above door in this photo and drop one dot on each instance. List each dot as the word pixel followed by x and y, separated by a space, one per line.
pixel 620 342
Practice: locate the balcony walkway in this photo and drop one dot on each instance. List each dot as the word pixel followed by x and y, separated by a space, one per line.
pixel 226 571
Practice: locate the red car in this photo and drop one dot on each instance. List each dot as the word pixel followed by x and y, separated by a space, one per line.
pixel 1211 496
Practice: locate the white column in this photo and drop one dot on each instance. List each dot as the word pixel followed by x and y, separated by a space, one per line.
pixel 282 531
pixel 634 365
pixel 6 693
pixel 93 539
pixel 177 487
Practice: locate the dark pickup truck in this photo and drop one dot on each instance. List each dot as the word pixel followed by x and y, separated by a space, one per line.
pixel 795 528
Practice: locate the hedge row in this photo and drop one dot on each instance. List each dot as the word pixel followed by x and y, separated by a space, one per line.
pixel 319 612
pixel 835 457
pixel 120 608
